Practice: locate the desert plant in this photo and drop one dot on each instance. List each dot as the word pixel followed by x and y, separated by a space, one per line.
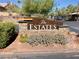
pixel 59 39
pixel 7 30
pixel 23 38
pixel 47 39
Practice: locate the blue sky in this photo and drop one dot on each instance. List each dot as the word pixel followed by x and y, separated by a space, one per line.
pixel 59 3
pixel 65 3
pixel 13 1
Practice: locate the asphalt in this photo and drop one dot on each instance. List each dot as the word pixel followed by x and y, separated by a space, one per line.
pixel 42 56
pixel 73 25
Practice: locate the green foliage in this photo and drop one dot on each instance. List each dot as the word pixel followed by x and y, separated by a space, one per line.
pixel 77 8
pixel 64 11
pixel 13 8
pixel 70 9
pixel 7 30
pixel 59 39
pixel 47 39
pixel 37 6
pixel 23 38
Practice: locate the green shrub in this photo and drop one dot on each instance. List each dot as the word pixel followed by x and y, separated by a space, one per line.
pixel 47 39
pixel 7 30
pixel 59 39
pixel 23 38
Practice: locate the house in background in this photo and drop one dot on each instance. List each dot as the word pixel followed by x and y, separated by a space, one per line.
pixel 3 7
pixel 73 16
pixel 6 9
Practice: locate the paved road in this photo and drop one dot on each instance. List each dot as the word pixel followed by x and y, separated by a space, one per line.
pixel 73 25
pixel 42 56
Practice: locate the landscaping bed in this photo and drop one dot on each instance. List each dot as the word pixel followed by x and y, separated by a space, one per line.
pixel 22 45
pixel 43 40
pixel 36 38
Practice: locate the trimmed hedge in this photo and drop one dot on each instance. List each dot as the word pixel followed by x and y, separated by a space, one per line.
pixel 7 30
